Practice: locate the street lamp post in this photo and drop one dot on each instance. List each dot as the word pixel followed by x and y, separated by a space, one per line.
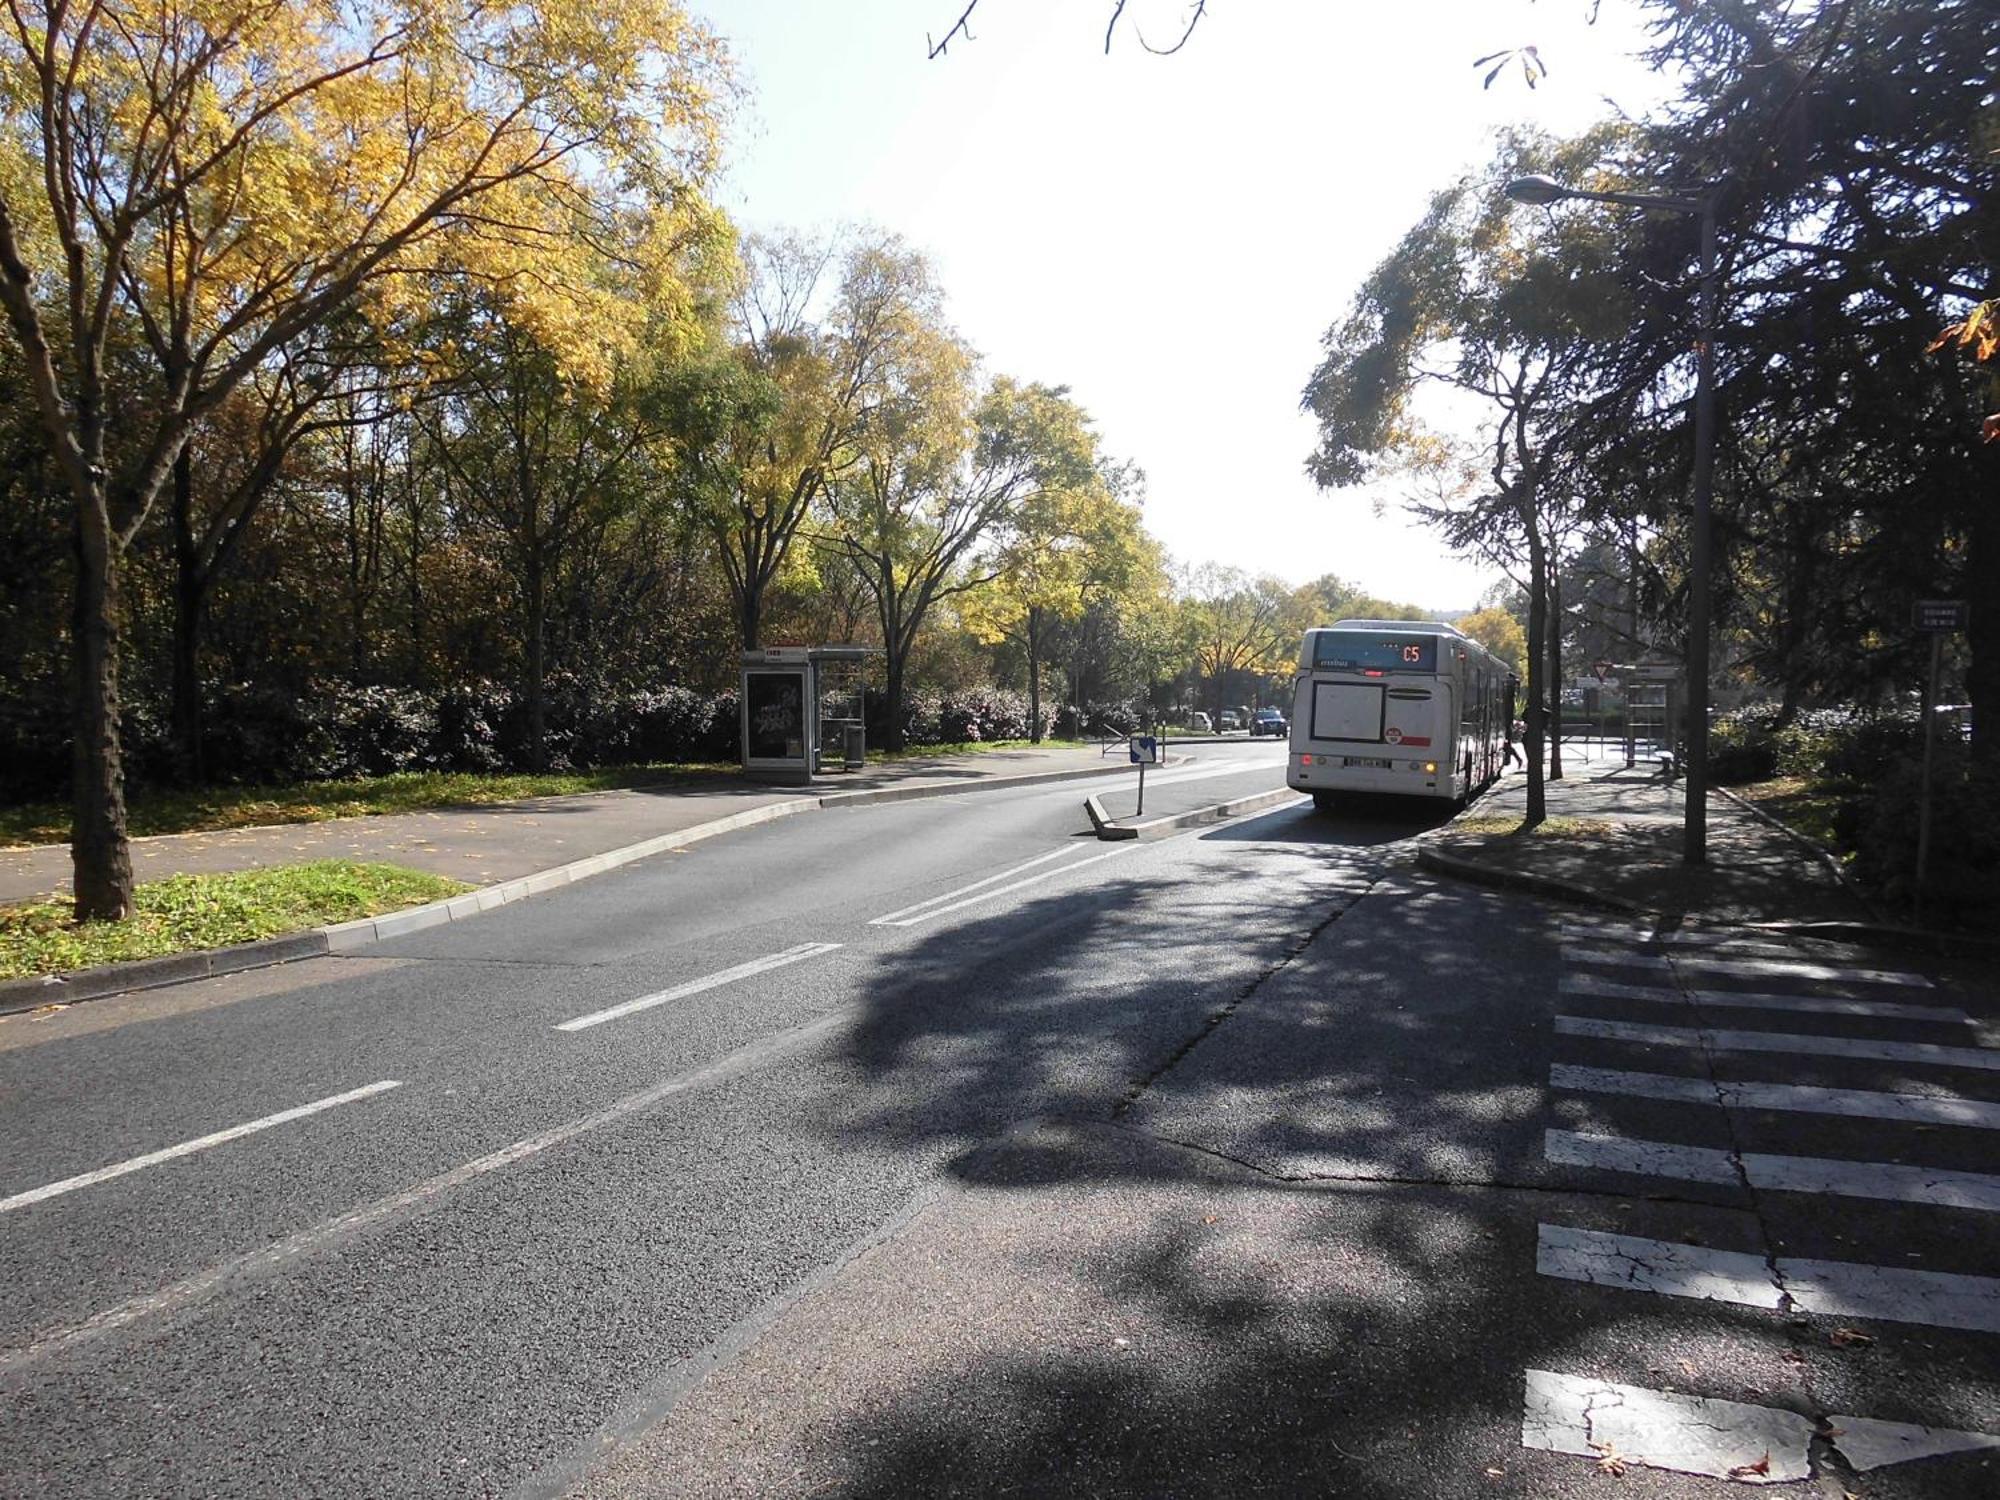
pixel 1544 191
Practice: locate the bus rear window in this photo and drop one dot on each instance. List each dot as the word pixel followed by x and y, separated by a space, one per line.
pixel 1357 651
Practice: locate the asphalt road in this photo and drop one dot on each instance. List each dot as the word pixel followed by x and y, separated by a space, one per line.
pixel 937 1147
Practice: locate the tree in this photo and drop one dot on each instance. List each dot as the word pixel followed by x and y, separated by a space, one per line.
pixel 784 411
pixel 1064 549
pixel 1498 631
pixel 212 185
pixel 543 462
pixel 1241 626
pixel 1853 149
pixel 927 511
pixel 1481 303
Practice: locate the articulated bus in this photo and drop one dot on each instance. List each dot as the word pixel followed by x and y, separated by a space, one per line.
pixel 1413 708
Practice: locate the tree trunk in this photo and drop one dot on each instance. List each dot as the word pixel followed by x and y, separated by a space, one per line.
pixel 1792 633
pixel 892 699
pixel 1555 675
pixel 1034 674
pixel 1538 620
pixel 190 597
pixel 100 853
pixel 537 601
pixel 750 614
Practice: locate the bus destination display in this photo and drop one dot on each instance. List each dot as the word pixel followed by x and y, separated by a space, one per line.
pixel 1341 651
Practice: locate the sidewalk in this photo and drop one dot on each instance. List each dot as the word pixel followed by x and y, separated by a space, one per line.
pixel 505 841
pixel 1618 834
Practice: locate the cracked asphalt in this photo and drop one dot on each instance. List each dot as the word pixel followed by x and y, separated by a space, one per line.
pixel 1220 1165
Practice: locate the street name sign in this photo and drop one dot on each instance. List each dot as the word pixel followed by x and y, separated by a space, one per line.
pixel 1946 616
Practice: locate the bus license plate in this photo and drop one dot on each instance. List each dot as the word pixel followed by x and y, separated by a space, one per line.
pixel 1368 765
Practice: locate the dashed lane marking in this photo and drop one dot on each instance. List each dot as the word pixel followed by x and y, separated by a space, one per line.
pixel 910 916
pixel 1890 1181
pixel 1938 1299
pixel 1039 859
pixel 1887 1010
pixel 243 1270
pixel 1869 1104
pixel 1779 1041
pixel 696 986
pixel 188 1148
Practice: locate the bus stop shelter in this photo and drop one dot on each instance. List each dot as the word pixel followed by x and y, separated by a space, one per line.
pixel 801 711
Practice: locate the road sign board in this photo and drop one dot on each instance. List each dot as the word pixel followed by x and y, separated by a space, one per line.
pixel 1647 671
pixel 1145 750
pixel 1943 615
pixel 1600 668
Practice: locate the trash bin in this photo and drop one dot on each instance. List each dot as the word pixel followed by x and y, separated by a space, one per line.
pixel 856 745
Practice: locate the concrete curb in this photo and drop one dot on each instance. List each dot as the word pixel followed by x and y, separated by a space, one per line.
pixel 1458 868
pixel 1154 828
pixel 19 995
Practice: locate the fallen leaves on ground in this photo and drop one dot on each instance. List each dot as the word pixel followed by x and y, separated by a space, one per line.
pixel 1610 1460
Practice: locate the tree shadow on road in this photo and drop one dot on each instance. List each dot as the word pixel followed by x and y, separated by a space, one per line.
pixel 1215 1264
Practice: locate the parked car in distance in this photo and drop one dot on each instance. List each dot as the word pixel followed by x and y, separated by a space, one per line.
pixel 1268 721
pixel 1200 723
pixel 1231 719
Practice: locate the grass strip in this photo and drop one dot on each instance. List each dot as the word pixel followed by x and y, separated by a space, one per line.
pixel 216 809
pixel 186 913
pixel 1509 826
pixel 1821 810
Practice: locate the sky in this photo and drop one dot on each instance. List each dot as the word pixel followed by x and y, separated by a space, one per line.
pixel 1167 236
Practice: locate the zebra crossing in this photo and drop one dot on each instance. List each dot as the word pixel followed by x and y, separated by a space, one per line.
pixel 1832 1082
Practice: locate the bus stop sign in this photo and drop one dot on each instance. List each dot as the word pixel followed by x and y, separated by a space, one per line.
pixel 1942 616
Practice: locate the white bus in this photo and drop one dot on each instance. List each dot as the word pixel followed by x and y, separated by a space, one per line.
pixel 1413 708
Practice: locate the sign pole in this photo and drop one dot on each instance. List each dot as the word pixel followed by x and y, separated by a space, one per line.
pixel 1142 791
pixel 1924 806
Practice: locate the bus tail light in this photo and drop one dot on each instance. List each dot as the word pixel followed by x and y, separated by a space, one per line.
pixel 1430 768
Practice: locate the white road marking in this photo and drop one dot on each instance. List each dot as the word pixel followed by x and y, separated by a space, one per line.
pixel 1871 1444
pixel 1203 773
pixel 1792 968
pixel 1704 1435
pixel 896 919
pixel 1762 944
pixel 273 1258
pixel 696 986
pixel 1778 1041
pixel 1939 1299
pixel 1642 1265
pixel 1608 989
pixel 1610 1153
pixel 188 1148
pixel 1574 953
pixel 1754 968
pixel 1039 859
pixel 1891 1181
pixel 1664 1430
pixel 1916 1109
